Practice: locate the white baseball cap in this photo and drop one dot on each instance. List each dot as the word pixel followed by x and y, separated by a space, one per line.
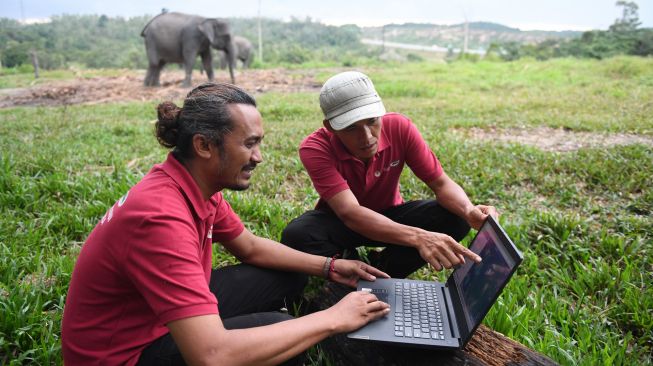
pixel 349 97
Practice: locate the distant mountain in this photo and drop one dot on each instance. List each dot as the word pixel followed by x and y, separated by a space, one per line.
pixel 481 34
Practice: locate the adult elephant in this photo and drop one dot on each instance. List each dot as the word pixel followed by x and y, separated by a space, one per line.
pixel 179 38
pixel 242 51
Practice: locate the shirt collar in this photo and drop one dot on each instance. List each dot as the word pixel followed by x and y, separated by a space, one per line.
pixel 341 151
pixel 178 172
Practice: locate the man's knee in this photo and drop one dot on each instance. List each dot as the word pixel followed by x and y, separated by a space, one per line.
pixel 447 222
pixel 294 234
pixel 295 283
pixel 459 228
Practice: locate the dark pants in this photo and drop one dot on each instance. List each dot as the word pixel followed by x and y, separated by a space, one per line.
pixel 248 297
pixel 321 232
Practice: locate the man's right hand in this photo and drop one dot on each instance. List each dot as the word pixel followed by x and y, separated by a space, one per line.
pixel 355 310
pixel 442 251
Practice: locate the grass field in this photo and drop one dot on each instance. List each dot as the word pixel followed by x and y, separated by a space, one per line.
pixel 583 219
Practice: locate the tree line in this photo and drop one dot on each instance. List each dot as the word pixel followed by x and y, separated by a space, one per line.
pixel 98 41
pixel 623 37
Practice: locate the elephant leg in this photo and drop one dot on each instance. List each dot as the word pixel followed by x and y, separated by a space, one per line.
pixel 223 60
pixel 247 61
pixel 207 64
pixel 156 74
pixel 188 68
pixel 148 76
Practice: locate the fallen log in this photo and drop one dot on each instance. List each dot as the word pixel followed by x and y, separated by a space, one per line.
pixel 486 347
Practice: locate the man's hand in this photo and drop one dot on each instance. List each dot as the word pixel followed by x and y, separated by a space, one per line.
pixel 355 310
pixel 477 215
pixel 442 251
pixel 348 272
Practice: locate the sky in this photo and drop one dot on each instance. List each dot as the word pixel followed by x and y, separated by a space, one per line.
pixel 524 14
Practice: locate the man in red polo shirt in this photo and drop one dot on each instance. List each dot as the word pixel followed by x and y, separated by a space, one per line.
pixel 143 290
pixel 355 162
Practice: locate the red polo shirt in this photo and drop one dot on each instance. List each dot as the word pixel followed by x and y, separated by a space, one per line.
pixel 146 263
pixel 376 186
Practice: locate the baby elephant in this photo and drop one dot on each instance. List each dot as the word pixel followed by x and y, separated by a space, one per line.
pixel 243 51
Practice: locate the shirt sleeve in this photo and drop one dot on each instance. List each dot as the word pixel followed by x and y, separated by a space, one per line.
pixel 321 167
pixel 164 264
pixel 226 225
pixel 419 157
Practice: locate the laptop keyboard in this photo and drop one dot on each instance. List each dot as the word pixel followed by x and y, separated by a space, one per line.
pixel 417 311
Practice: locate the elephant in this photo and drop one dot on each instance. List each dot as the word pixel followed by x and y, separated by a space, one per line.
pixel 242 51
pixel 179 38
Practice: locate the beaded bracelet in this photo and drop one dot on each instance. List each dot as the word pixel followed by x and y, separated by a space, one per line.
pixel 332 265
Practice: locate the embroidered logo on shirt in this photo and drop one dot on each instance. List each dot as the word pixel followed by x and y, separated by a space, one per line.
pixel 392 165
pixel 122 199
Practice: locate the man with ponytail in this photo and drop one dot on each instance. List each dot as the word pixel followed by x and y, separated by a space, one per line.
pixel 143 290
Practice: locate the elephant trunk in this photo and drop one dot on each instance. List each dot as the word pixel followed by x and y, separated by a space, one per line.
pixel 231 60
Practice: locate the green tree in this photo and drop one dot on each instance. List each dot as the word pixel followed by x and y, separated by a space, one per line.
pixel 629 20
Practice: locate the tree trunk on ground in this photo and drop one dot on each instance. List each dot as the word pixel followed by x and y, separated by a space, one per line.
pixel 486 347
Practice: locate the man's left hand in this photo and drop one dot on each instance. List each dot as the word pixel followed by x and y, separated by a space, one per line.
pixel 348 272
pixel 477 215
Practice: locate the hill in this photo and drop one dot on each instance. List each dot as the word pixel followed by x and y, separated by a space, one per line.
pixel 481 34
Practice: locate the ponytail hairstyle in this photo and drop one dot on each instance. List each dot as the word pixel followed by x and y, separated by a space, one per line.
pixel 205 112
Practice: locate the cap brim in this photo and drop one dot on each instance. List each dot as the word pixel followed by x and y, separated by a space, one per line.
pixel 367 111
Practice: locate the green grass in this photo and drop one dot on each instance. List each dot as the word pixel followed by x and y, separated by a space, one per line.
pixel 583 219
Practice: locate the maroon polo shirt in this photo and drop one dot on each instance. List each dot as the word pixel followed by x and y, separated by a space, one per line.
pixel 146 263
pixel 376 185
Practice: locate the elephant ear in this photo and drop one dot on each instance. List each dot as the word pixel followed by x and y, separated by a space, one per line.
pixel 206 27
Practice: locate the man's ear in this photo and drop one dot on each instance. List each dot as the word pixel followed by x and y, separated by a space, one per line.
pixel 201 146
pixel 327 125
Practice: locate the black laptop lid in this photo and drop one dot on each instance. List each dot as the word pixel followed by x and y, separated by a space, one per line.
pixel 480 284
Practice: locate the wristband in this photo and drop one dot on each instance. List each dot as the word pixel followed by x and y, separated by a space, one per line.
pixel 326 268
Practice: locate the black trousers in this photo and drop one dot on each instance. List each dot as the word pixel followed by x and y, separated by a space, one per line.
pixel 321 232
pixel 248 297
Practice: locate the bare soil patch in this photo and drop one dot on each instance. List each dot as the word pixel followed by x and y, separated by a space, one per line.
pixel 129 87
pixel 554 139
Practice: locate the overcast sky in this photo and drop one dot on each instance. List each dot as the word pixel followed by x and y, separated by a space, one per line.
pixel 524 14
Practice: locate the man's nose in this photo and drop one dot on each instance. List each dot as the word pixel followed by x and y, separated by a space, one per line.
pixel 257 156
pixel 366 133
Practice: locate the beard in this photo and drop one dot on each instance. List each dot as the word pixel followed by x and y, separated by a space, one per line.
pixel 242 186
pixel 237 186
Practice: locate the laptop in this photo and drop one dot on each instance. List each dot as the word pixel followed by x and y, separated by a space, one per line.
pixel 432 314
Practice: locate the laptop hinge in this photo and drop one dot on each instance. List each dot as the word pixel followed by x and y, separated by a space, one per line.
pixel 456 303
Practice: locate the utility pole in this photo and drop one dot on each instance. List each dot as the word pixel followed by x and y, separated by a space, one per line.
pixel 466 40
pixel 22 12
pixel 35 63
pixel 383 39
pixel 260 34
pixel 466 34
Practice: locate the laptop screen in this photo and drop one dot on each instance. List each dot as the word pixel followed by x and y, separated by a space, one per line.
pixel 481 283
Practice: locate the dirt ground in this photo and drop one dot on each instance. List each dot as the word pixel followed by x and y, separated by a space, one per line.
pixel 552 139
pixel 129 87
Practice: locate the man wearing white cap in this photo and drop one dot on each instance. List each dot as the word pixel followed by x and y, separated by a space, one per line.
pixel 355 162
